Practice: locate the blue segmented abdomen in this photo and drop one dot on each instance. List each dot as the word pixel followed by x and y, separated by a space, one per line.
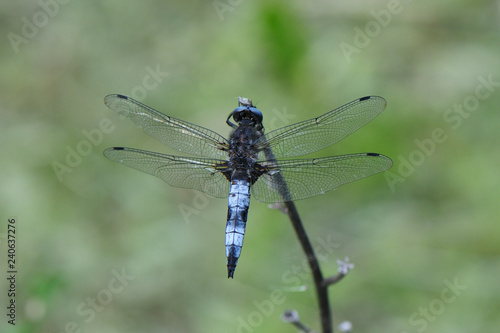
pixel 239 201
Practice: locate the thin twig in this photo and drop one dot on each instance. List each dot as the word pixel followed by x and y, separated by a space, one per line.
pixel 292 317
pixel 333 279
pixel 321 287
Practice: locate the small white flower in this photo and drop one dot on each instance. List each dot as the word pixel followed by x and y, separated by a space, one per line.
pixel 290 316
pixel 345 326
pixel 344 266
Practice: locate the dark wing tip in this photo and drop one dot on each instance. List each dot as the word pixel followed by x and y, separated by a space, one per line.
pixel 106 152
pixel 372 97
pixel 114 148
pixel 110 96
pixel 230 272
pixel 388 161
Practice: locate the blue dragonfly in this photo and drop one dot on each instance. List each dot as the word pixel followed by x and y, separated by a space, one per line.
pixel 250 161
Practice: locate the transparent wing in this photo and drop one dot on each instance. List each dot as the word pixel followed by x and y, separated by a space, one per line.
pixel 309 177
pixel 315 134
pixel 177 134
pixel 195 173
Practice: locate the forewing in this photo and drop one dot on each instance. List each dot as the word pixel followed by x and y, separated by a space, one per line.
pixel 289 180
pixel 177 134
pixel 195 173
pixel 315 134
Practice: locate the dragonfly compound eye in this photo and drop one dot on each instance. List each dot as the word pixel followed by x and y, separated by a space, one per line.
pixel 250 113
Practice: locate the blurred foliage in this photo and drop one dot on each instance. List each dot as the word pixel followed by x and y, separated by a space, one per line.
pixel 435 224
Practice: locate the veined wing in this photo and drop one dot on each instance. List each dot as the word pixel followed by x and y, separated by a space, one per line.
pixel 195 173
pixel 306 178
pixel 315 134
pixel 177 134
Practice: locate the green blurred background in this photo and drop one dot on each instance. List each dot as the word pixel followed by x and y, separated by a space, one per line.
pixel 429 223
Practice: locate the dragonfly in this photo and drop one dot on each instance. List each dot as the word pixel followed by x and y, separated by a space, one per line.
pixel 250 162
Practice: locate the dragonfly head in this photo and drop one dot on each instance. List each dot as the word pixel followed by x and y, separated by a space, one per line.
pixel 246 114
